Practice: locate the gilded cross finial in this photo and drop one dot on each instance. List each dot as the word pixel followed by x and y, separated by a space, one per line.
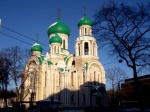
pixel 58 13
pixel 84 10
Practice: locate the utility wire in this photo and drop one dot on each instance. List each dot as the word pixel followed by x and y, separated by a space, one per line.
pixel 30 39
pixel 22 35
pixel 15 38
pixel 18 39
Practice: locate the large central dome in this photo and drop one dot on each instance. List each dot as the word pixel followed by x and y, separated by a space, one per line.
pixel 58 27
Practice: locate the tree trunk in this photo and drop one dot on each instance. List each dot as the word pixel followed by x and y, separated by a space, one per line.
pixel 17 94
pixel 137 89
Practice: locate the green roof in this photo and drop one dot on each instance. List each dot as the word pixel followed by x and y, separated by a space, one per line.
pixel 41 59
pixel 63 49
pixel 55 39
pixel 86 66
pixel 49 63
pixel 66 59
pixel 58 27
pixel 36 47
pixel 84 21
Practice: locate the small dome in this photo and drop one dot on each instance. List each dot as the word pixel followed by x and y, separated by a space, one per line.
pixel 84 21
pixel 58 27
pixel 36 47
pixel 55 39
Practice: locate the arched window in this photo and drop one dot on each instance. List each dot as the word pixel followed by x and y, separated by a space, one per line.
pixel 71 78
pixel 83 77
pixel 79 48
pixel 59 97
pixel 86 48
pixel 83 98
pixel 64 44
pixel 72 98
pixel 54 49
pixel 85 31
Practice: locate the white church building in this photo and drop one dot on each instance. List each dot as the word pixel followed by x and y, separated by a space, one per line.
pixel 73 79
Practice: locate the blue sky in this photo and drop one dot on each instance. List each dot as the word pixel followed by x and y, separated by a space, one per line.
pixel 31 17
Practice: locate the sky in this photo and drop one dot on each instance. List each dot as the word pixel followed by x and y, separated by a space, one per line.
pixel 32 17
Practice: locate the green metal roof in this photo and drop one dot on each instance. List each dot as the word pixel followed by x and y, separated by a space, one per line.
pixel 36 47
pixel 58 27
pixel 49 63
pixel 41 59
pixel 63 49
pixel 84 21
pixel 66 59
pixel 55 39
pixel 86 66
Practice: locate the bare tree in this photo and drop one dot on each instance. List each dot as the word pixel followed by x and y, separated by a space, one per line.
pixel 16 57
pixel 115 76
pixel 4 79
pixel 123 30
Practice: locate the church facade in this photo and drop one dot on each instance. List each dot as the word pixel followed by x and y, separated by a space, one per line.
pixel 73 79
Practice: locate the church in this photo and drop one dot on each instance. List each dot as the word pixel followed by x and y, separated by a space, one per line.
pixel 73 79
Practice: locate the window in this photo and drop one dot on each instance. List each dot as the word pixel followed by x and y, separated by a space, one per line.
pixel 85 31
pixel 64 44
pixel 86 48
pixel 79 48
pixel 59 97
pixel 72 98
pixel 73 62
pixel 54 49
pixel 83 98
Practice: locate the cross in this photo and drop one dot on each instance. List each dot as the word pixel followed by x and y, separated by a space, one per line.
pixel 58 13
pixel 84 10
pixel 37 37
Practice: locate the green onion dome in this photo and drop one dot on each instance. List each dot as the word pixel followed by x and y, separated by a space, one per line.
pixel 36 47
pixel 58 27
pixel 55 39
pixel 84 21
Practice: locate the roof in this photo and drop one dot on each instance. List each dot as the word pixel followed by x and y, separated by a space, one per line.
pixel 140 78
pixel 58 27
pixel 84 21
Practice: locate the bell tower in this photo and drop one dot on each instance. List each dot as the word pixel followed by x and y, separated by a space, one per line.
pixel 86 46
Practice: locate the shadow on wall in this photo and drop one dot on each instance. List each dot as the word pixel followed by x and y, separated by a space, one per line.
pixel 89 95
